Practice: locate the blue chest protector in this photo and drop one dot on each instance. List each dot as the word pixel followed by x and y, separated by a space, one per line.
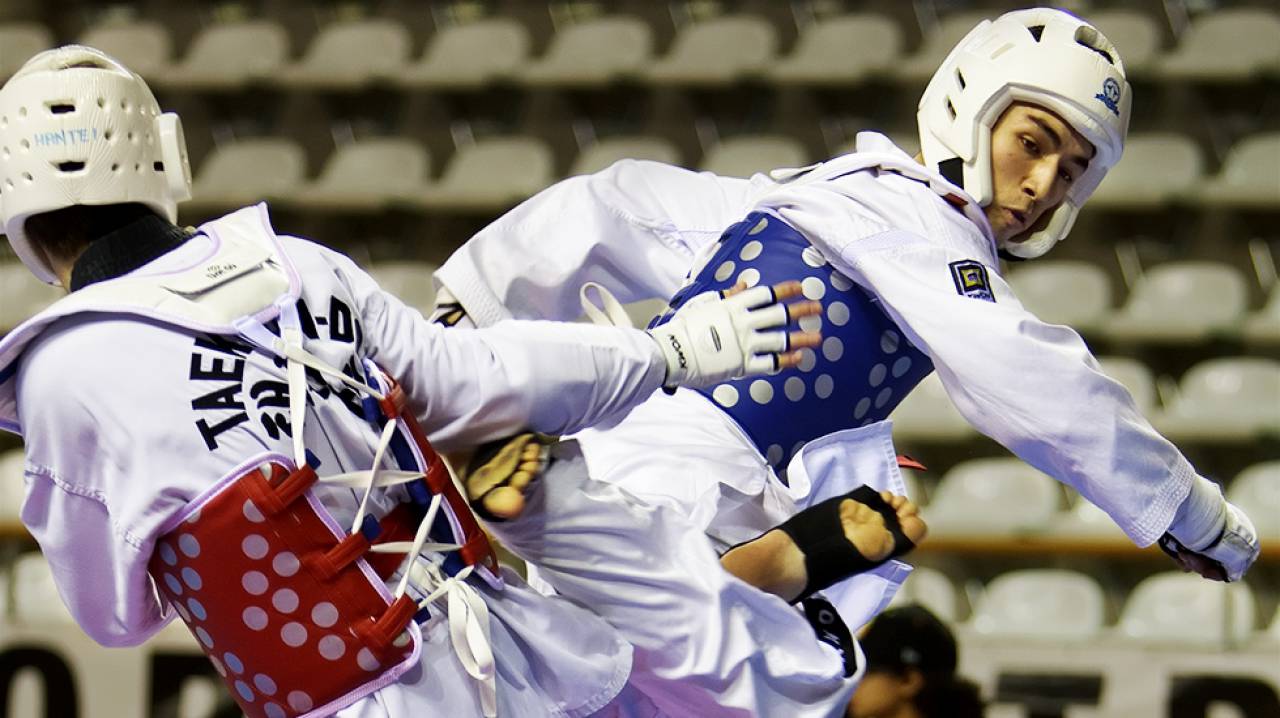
pixel 863 369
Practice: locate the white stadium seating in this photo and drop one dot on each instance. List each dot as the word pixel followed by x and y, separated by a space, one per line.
pixel 470 56
pixel 993 497
pixel 593 53
pixel 1225 399
pixel 1041 604
pixel 719 51
pixel 745 155
pixel 840 50
pixel 1183 608
pixel 366 176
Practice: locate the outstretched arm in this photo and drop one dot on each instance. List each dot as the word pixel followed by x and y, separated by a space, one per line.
pixel 634 228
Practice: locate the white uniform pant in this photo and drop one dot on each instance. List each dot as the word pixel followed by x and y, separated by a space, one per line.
pixel 706 644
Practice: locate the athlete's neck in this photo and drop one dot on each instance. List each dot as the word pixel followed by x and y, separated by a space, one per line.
pixel 121 251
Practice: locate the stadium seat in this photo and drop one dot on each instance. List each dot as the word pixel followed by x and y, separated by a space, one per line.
pixel 1182 302
pixel 993 497
pixel 937 44
pixel 22 295
pixel 1135 34
pixel 1225 399
pixel 1248 179
pixel 408 280
pixel 366 176
pixel 470 56
pixel 1256 490
pixel 840 50
pixel 1085 521
pixel 245 172
pixel 932 589
pixel 12 486
pixel 35 596
pixel 593 53
pixel 18 42
pixel 1183 608
pixel 1158 168
pixel 1263 326
pixel 1041 604
pixel 1074 293
pixel 1226 45
pixel 144 46
pixel 349 55
pixel 927 414
pixel 719 51
pixel 608 151
pixel 1136 377
pixel 490 175
pixel 228 56
pixel 745 155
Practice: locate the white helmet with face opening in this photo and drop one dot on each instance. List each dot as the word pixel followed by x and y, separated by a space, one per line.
pixel 79 128
pixel 1042 56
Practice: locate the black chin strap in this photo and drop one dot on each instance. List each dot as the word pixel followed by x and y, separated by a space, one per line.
pixel 953 171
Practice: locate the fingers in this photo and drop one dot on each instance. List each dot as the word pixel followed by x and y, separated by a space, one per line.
pixel 786 290
pixel 760 296
pixel 799 310
pixel 789 360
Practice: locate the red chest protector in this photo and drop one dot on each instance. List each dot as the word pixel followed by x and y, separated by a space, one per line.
pixel 291 609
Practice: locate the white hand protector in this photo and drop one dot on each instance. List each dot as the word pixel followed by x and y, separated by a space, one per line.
pixel 1227 558
pixel 712 339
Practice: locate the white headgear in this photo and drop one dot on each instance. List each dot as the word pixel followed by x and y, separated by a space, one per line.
pixel 1042 56
pixel 79 128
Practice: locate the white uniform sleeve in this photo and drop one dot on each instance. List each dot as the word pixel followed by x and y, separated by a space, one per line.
pixel 83 434
pixel 469 386
pixel 115 607
pixel 1032 386
pixel 634 228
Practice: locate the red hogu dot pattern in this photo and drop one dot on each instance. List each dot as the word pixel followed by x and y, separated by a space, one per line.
pixel 281 636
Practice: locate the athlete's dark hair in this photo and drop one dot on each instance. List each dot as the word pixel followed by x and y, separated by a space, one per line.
pixel 64 233
pixel 911 638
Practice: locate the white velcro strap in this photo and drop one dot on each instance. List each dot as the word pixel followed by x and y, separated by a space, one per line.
pixel 1238 547
pixel 612 313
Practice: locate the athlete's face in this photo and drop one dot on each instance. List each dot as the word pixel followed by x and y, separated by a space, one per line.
pixel 1035 157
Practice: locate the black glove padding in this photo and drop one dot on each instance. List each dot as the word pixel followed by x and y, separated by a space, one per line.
pixel 829 556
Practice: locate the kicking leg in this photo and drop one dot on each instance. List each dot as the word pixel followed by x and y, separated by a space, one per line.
pixel 827 543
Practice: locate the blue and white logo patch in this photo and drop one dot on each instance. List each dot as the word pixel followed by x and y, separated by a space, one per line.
pixel 1110 95
pixel 971 280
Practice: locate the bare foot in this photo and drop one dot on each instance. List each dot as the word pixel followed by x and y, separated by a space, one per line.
pixel 775 564
pixel 865 529
pixel 498 484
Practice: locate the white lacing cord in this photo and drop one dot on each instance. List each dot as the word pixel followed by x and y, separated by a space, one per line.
pixel 611 313
pixel 468 625
pixel 468 615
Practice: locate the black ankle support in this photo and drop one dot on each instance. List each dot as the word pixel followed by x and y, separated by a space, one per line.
pixel 829 557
